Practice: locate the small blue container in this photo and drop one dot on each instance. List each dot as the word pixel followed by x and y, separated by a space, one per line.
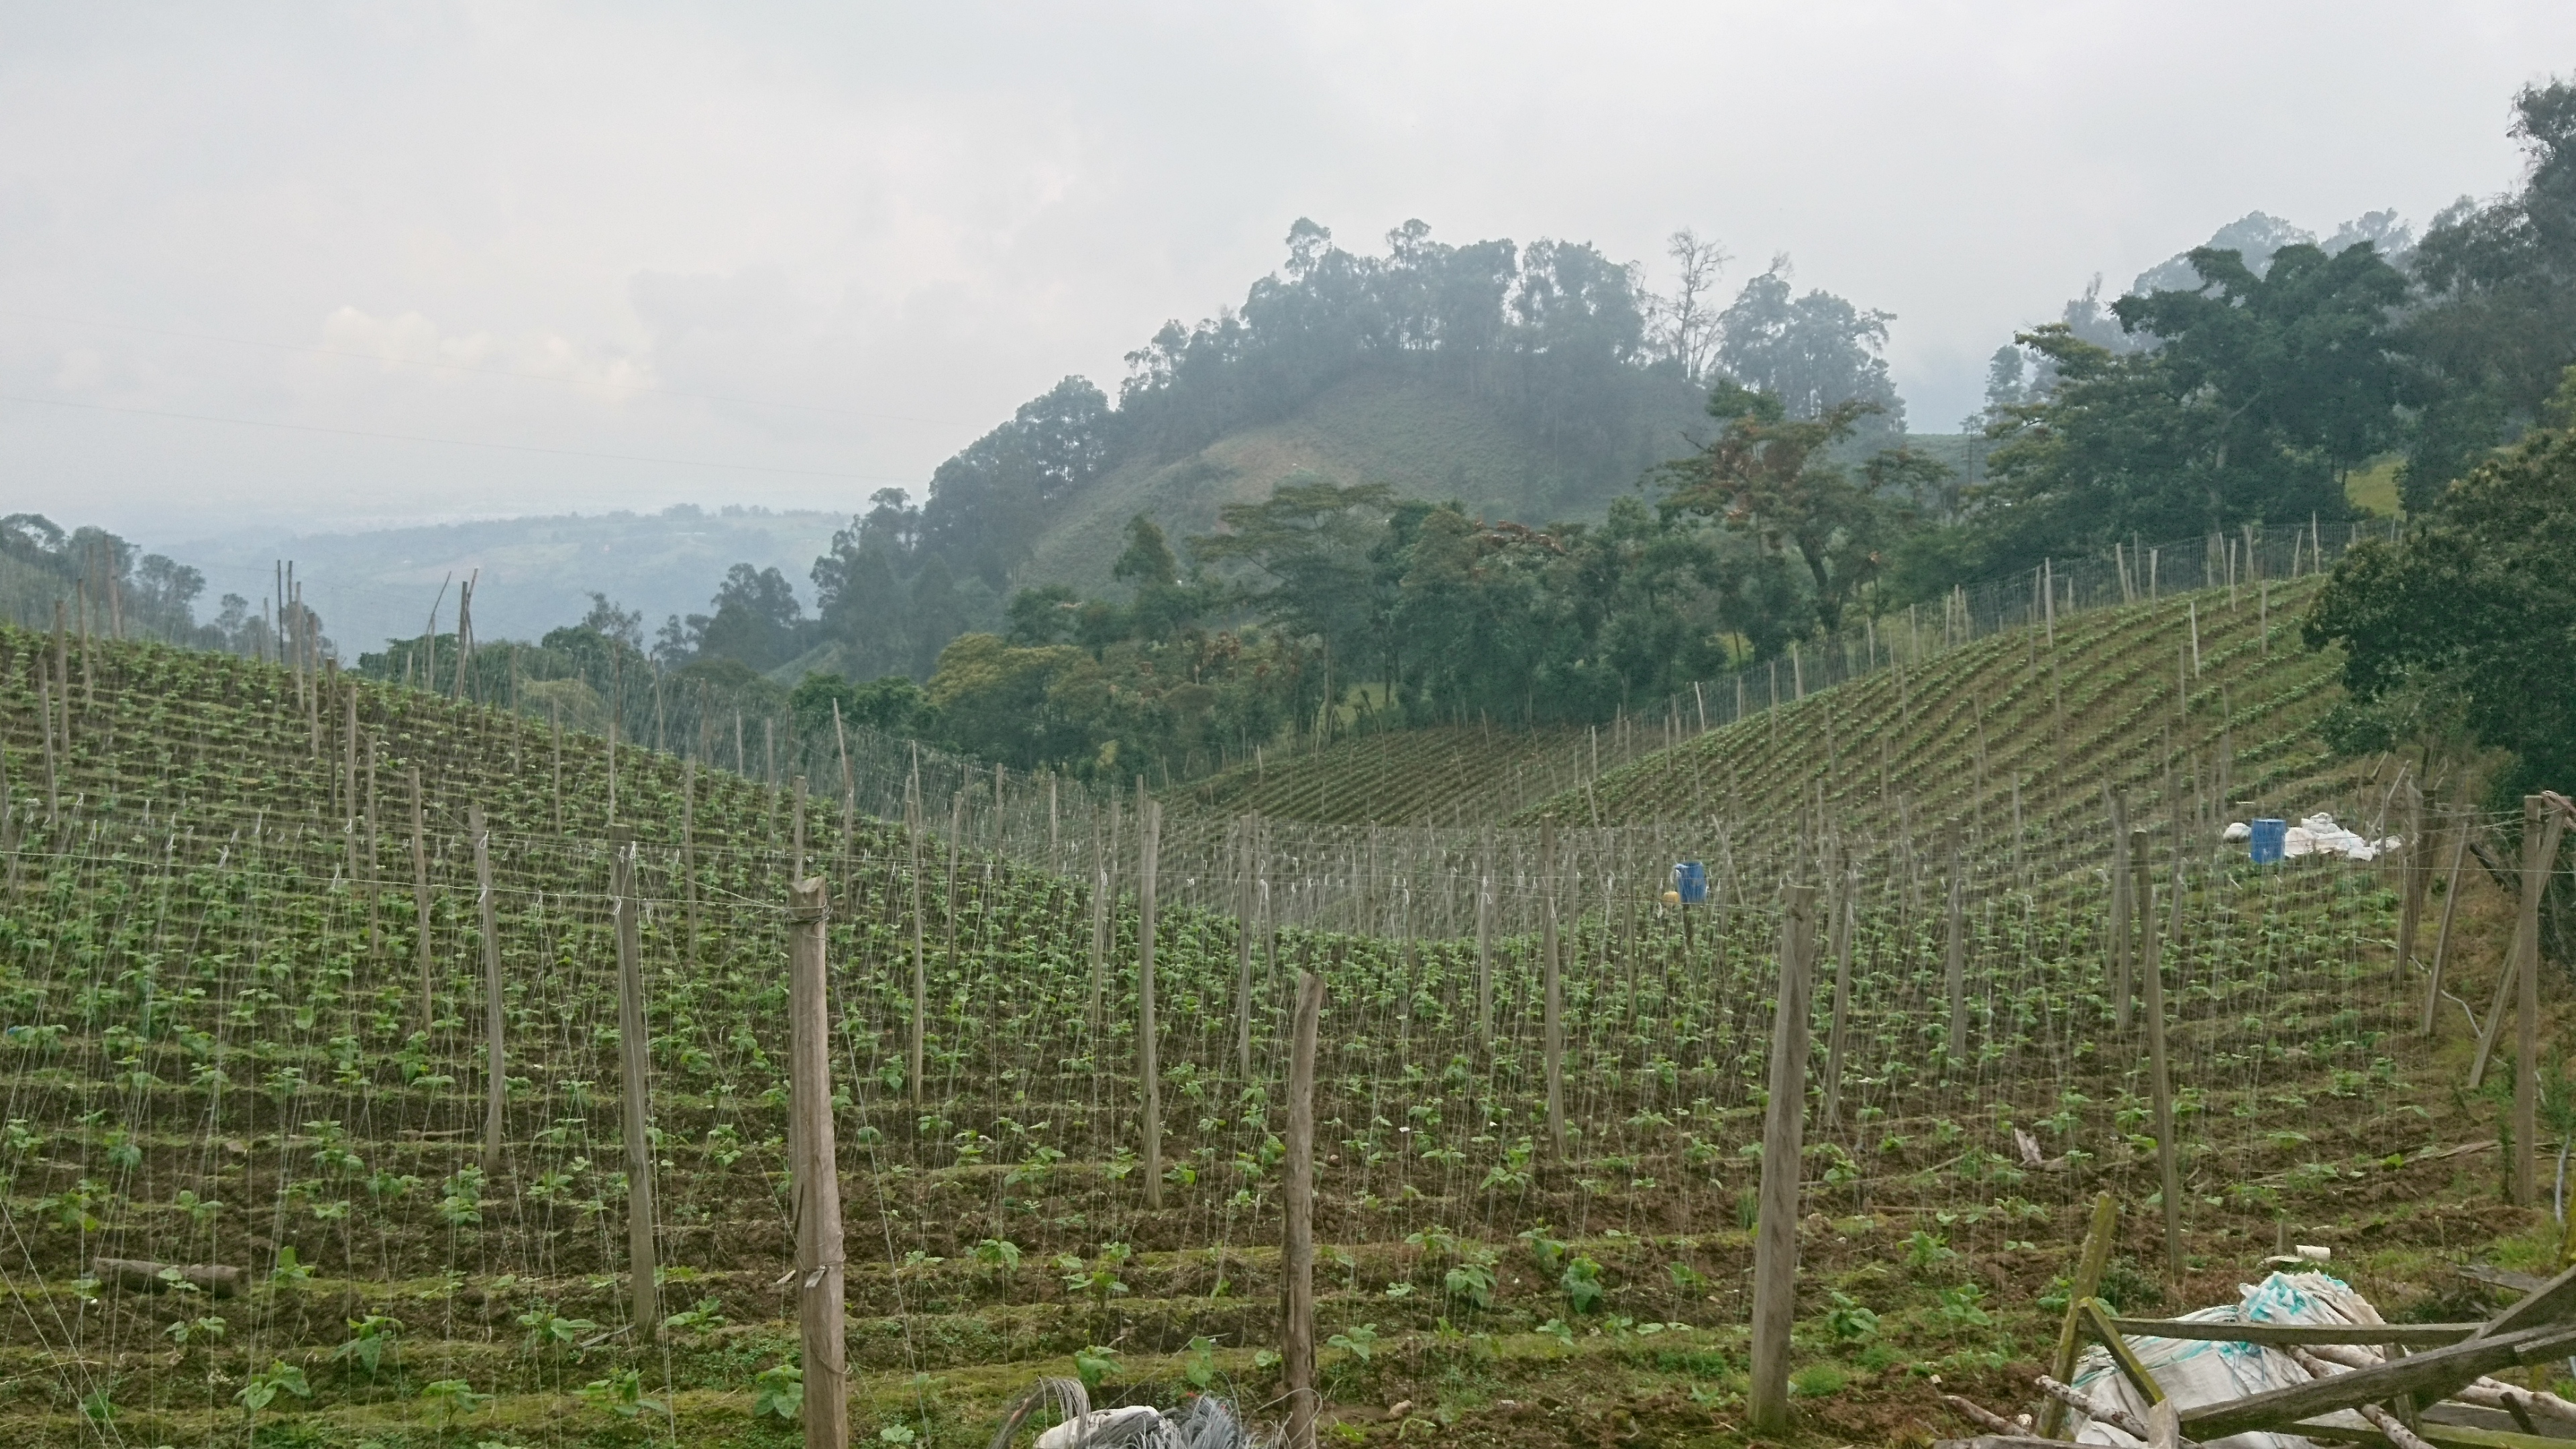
pixel 1690 882
pixel 2267 840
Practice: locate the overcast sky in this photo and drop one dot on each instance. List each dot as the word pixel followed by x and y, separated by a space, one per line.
pixel 790 254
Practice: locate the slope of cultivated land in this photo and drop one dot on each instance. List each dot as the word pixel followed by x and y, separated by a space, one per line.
pixel 1444 775
pixel 217 1045
pixel 2115 700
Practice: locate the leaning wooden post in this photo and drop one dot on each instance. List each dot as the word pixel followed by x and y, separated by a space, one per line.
pixel 1148 1071
pixel 632 1060
pixel 2540 832
pixel 495 1022
pixel 1552 989
pixel 1297 1250
pixel 420 905
pixel 1775 1240
pixel 817 1178
pixel 2088 1281
pixel 2152 976
pixel 2459 831
pixel 1954 951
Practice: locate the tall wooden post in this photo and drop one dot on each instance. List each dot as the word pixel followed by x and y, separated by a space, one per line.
pixel 2540 834
pixel 2418 868
pixel 817 1179
pixel 2151 975
pixel 1775 1240
pixel 796 835
pixel 554 726
pixel 2442 937
pixel 689 849
pixel 1844 909
pixel 920 969
pixel 1552 989
pixel 1485 939
pixel 2123 908
pixel 420 904
pixel 53 771
pixel 496 1085
pixel 633 1059
pixel 1149 1079
pixel 1297 1249
pixel 1954 952
pixel 1248 827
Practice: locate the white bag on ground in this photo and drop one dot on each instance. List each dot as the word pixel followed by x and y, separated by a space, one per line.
pixel 2194 1372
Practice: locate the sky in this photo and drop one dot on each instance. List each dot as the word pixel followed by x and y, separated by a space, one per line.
pixel 277 268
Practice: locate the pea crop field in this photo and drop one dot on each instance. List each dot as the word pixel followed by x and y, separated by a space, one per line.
pixel 321 1093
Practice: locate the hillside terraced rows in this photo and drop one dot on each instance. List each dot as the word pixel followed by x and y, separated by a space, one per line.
pixel 230 1042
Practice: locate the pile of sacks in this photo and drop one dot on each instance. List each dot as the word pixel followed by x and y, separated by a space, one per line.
pixel 2320 835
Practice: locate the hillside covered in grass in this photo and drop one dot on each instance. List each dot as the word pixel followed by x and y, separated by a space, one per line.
pixel 246 1025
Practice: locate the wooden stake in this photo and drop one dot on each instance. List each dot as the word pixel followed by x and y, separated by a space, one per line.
pixel 496 1085
pixel 1485 939
pixel 633 1059
pixel 1244 848
pixel 2410 914
pixel 2442 937
pixel 689 849
pixel 1553 988
pixel 1148 1070
pixel 420 904
pixel 2539 852
pixel 1297 1249
pixel 2123 907
pixel 1954 951
pixel 1845 912
pixel 920 971
pixel 1775 1240
pixel 816 1173
pixel 2151 971
pixel 2098 1241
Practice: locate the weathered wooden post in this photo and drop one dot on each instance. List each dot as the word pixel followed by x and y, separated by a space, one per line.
pixel 819 1251
pixel 1954 951
pixel 420 904
pixel 1297 1249
pixel 495 1021
pixel 1485 939
pixel 1845 909
pixel 1775 1240
pixel 2540 834
pixel 2088 1281
pixel 2123 908
pixel 633 1061
pixel 689 849
pixel 1552 990
pixel 2459 832
pixel 920 968
pixel 2418 869
pixel 1246 827
pixel 1148 1069
pixel 2151 973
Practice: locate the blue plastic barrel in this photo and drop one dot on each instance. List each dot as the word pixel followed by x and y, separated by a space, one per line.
pixel 2267 840
pixel 1690 881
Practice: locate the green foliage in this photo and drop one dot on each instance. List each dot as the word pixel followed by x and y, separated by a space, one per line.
pixel 1095 1364
pixel 261 1389
pixel 1360 1342
pixel 779 1390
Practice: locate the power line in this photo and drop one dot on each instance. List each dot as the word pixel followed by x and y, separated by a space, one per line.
pixel 485 371
pixel 455 442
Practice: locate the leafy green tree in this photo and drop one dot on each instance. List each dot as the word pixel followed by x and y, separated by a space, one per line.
pixel 2499 319
pixel 2458 636
pixel 1771 476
